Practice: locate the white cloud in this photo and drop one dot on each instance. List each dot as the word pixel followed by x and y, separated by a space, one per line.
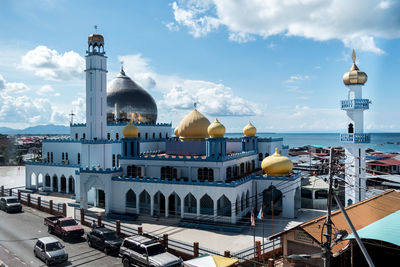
pixel 297 78
pixel 45 90
pixel 318 20
pixel 180 94
pixel 12 87
pixel 51 65
pixel 172 26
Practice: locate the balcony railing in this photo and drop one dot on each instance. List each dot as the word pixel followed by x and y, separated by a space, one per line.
pixel 355 104
pixel 356 138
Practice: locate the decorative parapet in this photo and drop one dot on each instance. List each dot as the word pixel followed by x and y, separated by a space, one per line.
pixel 355 104
pixel 174 181
pixel 61 140
pixel 100 170
pixel 77 124
pixel 139 124
pixel 292 177
pixel 85 141
pixel 52 164
pixel 355 138
pixel 189 157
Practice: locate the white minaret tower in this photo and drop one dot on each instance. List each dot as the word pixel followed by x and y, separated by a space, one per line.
pixel 96 88
pixel 355 139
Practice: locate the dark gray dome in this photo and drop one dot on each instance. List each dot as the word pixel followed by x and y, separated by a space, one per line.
pixel 128 99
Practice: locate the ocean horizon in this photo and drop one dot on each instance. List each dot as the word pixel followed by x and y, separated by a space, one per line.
pixel 384 142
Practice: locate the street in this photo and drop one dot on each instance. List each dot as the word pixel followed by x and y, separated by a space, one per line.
pixel 19 232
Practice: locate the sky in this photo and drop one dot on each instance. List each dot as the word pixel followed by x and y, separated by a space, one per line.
pixel 276 63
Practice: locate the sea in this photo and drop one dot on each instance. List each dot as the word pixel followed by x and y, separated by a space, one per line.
pixel 383 142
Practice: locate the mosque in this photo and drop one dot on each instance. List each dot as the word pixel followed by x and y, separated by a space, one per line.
pixel 122 160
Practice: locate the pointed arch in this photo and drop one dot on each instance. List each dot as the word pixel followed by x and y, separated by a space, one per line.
pixel 206 205
pixel 130 198
pixel 190 204
pixel 224 206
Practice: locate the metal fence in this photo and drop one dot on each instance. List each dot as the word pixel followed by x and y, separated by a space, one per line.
pixel 249 253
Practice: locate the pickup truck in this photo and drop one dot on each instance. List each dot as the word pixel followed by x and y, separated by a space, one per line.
pixel 65 227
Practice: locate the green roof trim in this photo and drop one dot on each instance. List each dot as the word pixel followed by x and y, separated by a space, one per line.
pixel 385 229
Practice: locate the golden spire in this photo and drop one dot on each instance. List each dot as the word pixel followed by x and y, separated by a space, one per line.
pixel 354 56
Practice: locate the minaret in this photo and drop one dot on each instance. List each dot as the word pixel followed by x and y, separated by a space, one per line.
pixel 96 88
pixel 355 139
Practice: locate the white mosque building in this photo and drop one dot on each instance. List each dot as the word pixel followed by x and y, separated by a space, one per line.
pixel 121 159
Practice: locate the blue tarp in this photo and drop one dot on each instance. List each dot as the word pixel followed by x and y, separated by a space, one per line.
pixel 385 229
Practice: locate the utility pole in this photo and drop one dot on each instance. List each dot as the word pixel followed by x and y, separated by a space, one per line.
pixel 328 222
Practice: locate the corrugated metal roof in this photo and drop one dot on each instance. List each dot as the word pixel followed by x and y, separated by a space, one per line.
pixel 385 229
pixel 361 214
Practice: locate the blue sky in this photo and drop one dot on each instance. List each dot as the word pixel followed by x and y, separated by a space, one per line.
pixel 278 64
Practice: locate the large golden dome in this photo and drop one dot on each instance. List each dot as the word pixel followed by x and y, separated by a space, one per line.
pixel 216 130
pixel 249 130
pixel 354 76
pixel 130 131
pixel 277 165
pixel 193 126
pixel 176 131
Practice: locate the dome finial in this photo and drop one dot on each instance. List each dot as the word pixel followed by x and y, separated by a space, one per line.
pixel 195 105
pixel 354 56
pixel 95 28
pixel 122 68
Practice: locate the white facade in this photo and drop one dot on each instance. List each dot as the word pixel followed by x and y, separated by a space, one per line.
pixel 138 176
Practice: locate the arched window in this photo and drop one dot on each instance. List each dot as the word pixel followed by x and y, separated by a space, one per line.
pixel 138 135
pixel 117 136
pixel 266 154
pixel 83 136
pixel 241 169
pixel 66 156
pixel 48 157
pixel 51 154
pixel 130 199
pixel 134 171
pixel 351 128
pixel 166 135
pixel 62 156
pixel 154 135
pixel 160 136
pixel 108 136
pixel 260 156
pixel 113 160
pixel 76 135
pixel 146 136
pixel 79 158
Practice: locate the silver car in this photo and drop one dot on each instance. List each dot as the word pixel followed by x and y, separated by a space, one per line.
pixel 50 250
pixel 143 251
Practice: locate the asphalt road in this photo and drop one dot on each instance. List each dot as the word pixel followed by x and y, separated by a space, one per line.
pixel 19 232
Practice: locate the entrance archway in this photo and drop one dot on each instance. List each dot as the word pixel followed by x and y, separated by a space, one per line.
pixel 63 184
pixel 47 181
pixel 55 183
pixel 174 204
pixel 159 203
pixel 101 198
pixel 206 205
pixel 71 185
pixel 272 195
pixel 190 204
pixel 144 202
pixel 224 207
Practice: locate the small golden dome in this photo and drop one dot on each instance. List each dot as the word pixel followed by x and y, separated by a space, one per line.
pixel 193 126
pixel 277 165
pixel 216 129
pixel 249 130
pixel 176 131
pixel 130 130
pixel 95 37
pixel 354 76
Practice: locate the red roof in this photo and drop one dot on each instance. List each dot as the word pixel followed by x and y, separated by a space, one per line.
pixel 385 162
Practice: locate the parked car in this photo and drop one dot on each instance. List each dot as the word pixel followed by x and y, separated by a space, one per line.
pixel 104 239
pixel 65 227
pixel 143 251
pixel 10 204
pixel 50 250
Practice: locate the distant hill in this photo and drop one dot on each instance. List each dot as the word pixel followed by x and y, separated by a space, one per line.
pixel 39 129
